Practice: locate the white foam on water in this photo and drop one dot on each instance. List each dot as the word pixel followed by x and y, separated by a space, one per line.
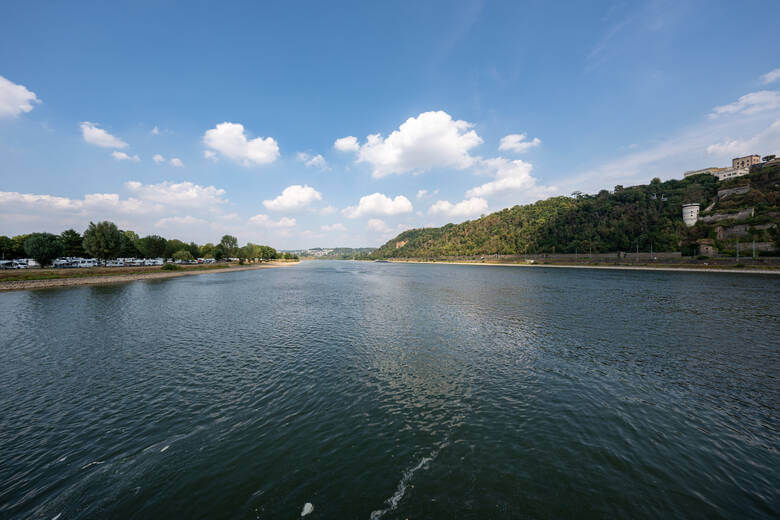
pixel 307 508
pixel 95 463
pixel 165 448
pixel 395 499
pixel 62 459
pixel 56 517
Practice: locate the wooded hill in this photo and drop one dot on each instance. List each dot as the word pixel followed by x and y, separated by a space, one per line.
pixel 619 220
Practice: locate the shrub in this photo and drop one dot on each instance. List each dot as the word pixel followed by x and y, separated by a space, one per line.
pixel 170 267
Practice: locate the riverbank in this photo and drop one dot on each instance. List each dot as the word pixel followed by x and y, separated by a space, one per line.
pixel 666 267
pixel 50 278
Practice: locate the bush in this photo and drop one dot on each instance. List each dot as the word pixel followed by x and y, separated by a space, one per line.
pixel 170 267
pixel 702 257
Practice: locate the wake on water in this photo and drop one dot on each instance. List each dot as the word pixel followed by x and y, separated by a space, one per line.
pixel 394 500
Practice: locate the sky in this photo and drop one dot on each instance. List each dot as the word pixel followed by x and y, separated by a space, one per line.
pixel 341 124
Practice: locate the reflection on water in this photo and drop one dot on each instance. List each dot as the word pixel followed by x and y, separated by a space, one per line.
pixel 395 391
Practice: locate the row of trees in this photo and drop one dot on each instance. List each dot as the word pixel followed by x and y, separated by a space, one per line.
pixel 105 241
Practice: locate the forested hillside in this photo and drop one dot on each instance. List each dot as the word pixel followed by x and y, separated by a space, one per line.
pixel 620 220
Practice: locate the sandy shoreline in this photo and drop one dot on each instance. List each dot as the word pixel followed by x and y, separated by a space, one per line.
pixel 124 278
pixel 620 267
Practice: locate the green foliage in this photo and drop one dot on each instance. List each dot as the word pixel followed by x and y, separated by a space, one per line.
pixel 170 267
pixel 128 249
pixel 102 240
pixel 72 242
pixel 172 246
pixel 229 245
pixel 636 216
pixel 152 246
pixel 6 248
pixel 182 254
pixel 43 247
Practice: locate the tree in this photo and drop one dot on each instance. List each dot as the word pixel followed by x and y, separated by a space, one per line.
pixel 72 243
pixel 172 246
pixel 6 247
pixel 128 249
pixel 17 246
pixel 102 240
pixel 43 247
pixel 151 246
pixel 229 245
pixel 182 254
pixel 207 250
pixel 194 250
pixel 218 252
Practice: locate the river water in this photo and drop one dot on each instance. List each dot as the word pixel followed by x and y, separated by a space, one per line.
pixel 374 390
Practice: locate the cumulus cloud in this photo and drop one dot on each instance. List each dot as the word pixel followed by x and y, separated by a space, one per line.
pixel 181 194
pixel 421 193
pixel 15 99
pixel 230 140
pixel 158 158
pixel 266 221
pixel 464 208
pixel 317 161
pixel 328 210
pixel 338 226
pixel 293 198
pixel 377 225
pixel 510 176
pixel 210 155
pixel 155 130
pixel 122 156
pixel 347 144
pixel 430 140
pixel 752 103
pixel 177 162
pixel 517 143
pixel 94 135
pixel 378 204
pixel 770 77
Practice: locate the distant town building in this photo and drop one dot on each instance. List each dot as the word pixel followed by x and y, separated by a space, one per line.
pixel 707 247
pixel 730 173
pixel 745 162
pixel 690 213
pixel 711 171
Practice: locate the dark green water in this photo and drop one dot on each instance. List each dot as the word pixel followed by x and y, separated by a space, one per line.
pixel 393 391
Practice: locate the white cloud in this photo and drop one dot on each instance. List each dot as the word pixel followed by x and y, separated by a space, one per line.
pixel 517 143
pixel 510 176
pixel 430 140
pixel 378 204
pixel 229 140
pixel 752 103
pixel 766 140
pixel 155 130
pixel 377 225
pixel 181 194
pixel 122 156
pixel 99 137
pixel 328 210
pixel 465 208
pixel 338 226
pixel 158 158
pixel 210 155
pixel 770 77
pixel 421 193
pixel 15 99
pixel 347 144
pixel 177 162
pixel 181 221
pixel 293 198
pixel 265 221
pixel 317 161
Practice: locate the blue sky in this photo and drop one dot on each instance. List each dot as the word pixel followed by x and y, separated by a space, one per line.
pixel 259 114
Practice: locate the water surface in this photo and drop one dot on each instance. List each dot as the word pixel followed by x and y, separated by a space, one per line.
pixel 393 391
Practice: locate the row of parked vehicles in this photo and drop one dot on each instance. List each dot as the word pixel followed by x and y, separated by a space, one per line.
pixel 74 262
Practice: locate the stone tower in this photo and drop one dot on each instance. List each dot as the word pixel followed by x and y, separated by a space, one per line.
pixel 690 213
